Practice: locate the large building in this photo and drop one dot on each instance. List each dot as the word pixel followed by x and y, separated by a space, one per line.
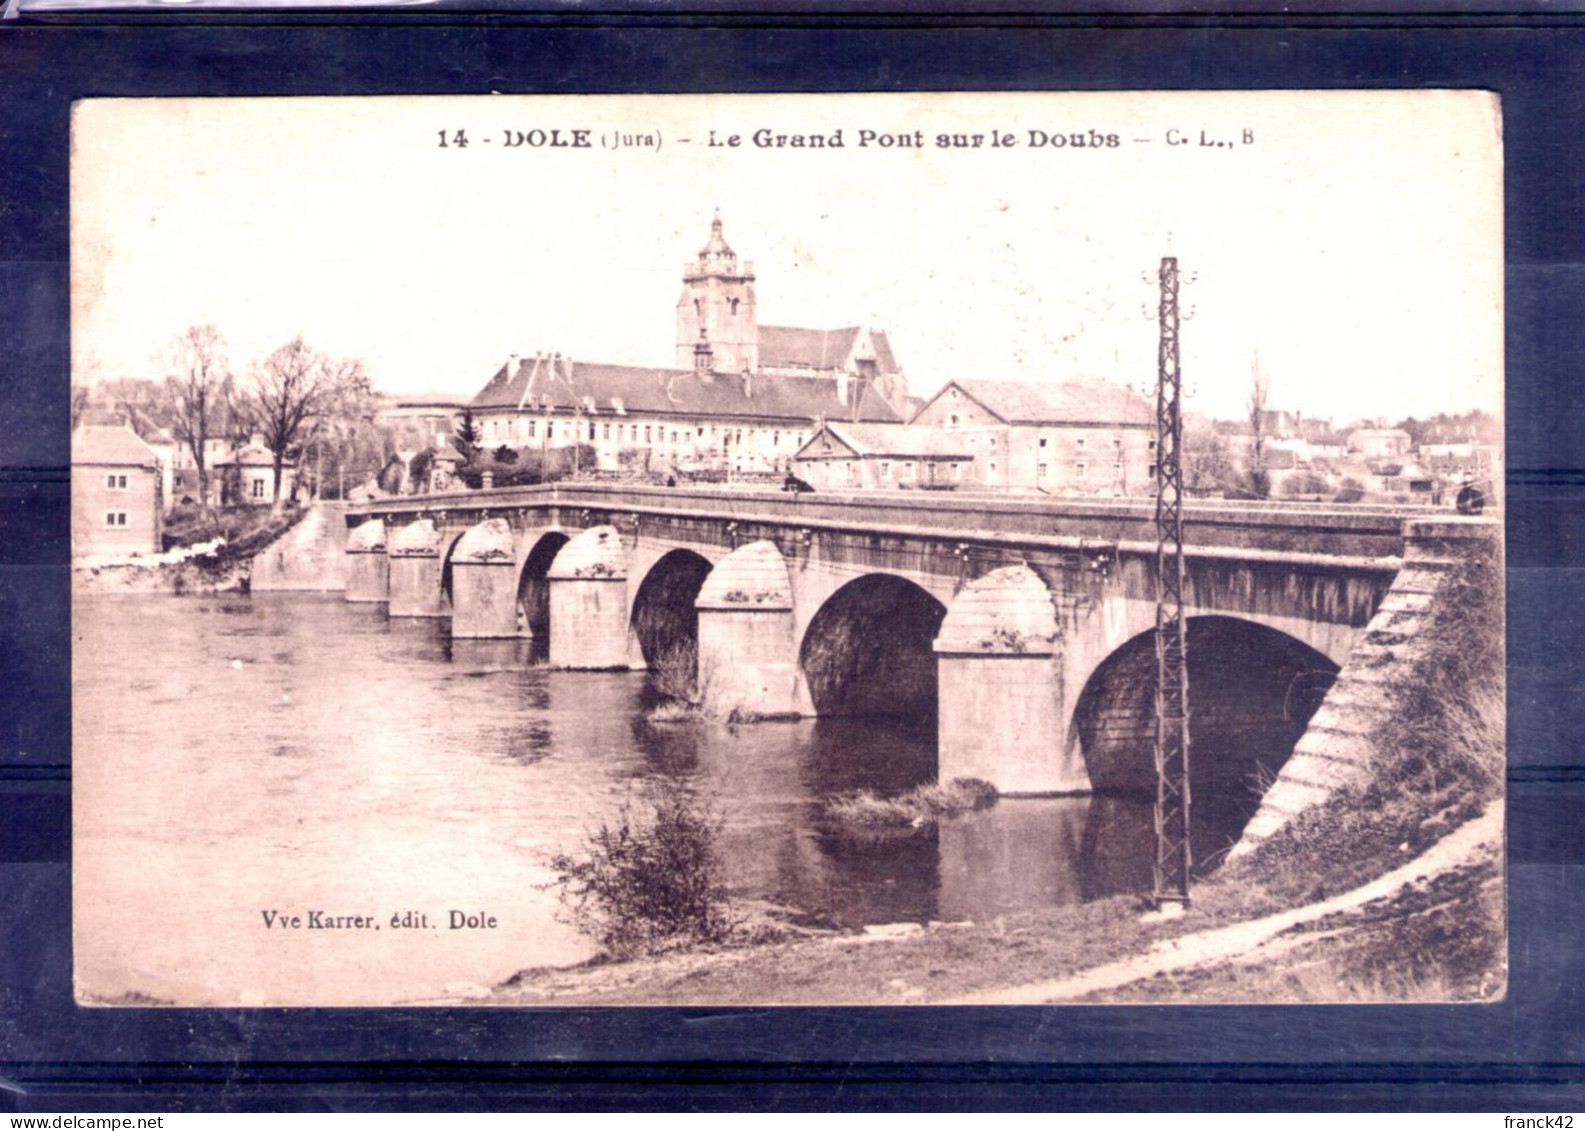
pixel 741 398
pixel 1072 438
pixel 116 493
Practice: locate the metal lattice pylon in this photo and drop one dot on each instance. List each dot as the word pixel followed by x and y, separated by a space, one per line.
pixel 1174 859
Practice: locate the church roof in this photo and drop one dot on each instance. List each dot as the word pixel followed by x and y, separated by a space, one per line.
pixel 717 244
pixel 678 392
pixel 790 346
pixel 1066 402
pixel 112 444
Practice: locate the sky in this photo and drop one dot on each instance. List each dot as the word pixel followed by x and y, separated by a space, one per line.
pixel 1350 240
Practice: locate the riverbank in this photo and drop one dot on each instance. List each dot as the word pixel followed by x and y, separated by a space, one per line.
pixel 1387 940
pixel 219 564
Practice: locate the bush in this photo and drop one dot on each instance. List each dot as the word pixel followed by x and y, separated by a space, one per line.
pixel 916 808
pixel 652 881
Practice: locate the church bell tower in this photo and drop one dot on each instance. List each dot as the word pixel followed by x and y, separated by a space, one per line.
pixel 718 299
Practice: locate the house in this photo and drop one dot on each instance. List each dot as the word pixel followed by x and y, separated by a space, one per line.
pixel 117 503
pixel 1069 437
pixel 843 456
pixel 240 473
pixel 1378 443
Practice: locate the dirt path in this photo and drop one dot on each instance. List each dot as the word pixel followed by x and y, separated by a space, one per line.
pixel 1241 939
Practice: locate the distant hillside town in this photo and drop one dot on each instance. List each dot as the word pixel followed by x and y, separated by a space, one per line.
pixel 742 402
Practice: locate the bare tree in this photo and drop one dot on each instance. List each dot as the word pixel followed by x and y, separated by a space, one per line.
pixel 288 389
pixel 198 384
pixel 1259 390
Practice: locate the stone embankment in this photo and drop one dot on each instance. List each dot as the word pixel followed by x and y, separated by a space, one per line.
pixel 1338 748
pixel 311 555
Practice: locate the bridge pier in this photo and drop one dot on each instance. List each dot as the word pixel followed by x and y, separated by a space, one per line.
pixel 484 583
pixel 588 602
pixel 368 569
pixel 1001 714
pixel 747 663
pixel 415 571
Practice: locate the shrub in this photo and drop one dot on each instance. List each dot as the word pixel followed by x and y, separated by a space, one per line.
pixel 916 808
pixel 674 674
pixel 652 881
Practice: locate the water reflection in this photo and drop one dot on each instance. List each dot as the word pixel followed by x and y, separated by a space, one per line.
pixel 291 747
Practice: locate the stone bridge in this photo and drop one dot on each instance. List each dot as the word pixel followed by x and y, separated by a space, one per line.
pixel 1025 627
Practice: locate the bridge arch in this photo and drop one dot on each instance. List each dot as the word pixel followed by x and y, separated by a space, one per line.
pixel 868 649
pixel 663 620
pixel 1252 690
pixel 448 545
pixel 537 550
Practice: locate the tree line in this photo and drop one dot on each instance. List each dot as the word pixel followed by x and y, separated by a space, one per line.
pixel 306 406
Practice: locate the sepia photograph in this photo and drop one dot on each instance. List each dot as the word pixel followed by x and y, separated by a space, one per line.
pixel 861 549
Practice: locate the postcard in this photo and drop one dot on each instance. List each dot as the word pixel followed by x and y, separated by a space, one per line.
pixel 788 549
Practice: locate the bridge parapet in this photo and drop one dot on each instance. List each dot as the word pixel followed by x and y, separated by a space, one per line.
pixel 1330 532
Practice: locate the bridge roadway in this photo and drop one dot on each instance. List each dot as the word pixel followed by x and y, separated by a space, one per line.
pixel 1026 626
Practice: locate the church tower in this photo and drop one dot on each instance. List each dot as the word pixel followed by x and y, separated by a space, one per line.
pixel 718 299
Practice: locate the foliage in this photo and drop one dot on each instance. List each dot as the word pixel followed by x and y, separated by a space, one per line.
pixel 198 385
pixel 650 881
pixel 915 808
pixel 467 438
pixel 1305 483
pixel 505 456
pixel 674 673
pixel 290 387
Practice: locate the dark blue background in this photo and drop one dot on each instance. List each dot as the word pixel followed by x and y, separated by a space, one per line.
pixel 1525 1054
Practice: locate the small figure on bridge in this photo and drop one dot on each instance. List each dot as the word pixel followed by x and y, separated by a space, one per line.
pixel 1471 500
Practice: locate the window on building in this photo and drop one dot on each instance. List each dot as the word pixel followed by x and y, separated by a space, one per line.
pixel 115 518
pixel 957 471
pixel 116 482
pixel 258 488
pixel 1117 470
pixel 1151 471
pixel 533 426
pixel 952 421
pixel 591 429
pixel 1041 473
pixel 1150 446
pixel 908 471
pixel 607 434
pixel 647 433
pixel 733 304
pixel 550 429
pixel 886 470
pixel 1042 441
pixel 993 467
pixel 1079 443
pixel 1079 469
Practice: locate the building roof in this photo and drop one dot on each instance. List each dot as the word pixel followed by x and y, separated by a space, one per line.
pixel 113 444
pixel 893 441
pixel 783 347
pixel 1066 402
pixel 600 388
pixel 1384 433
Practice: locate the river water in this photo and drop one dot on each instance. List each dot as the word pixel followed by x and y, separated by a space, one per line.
pixel 293 754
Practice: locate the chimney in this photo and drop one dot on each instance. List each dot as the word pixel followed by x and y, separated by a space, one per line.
pixel 511 365
pixel 703 355
pixel 842 387
pixel 748 384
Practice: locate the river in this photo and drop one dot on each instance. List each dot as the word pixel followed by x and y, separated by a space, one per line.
pixel 287 754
